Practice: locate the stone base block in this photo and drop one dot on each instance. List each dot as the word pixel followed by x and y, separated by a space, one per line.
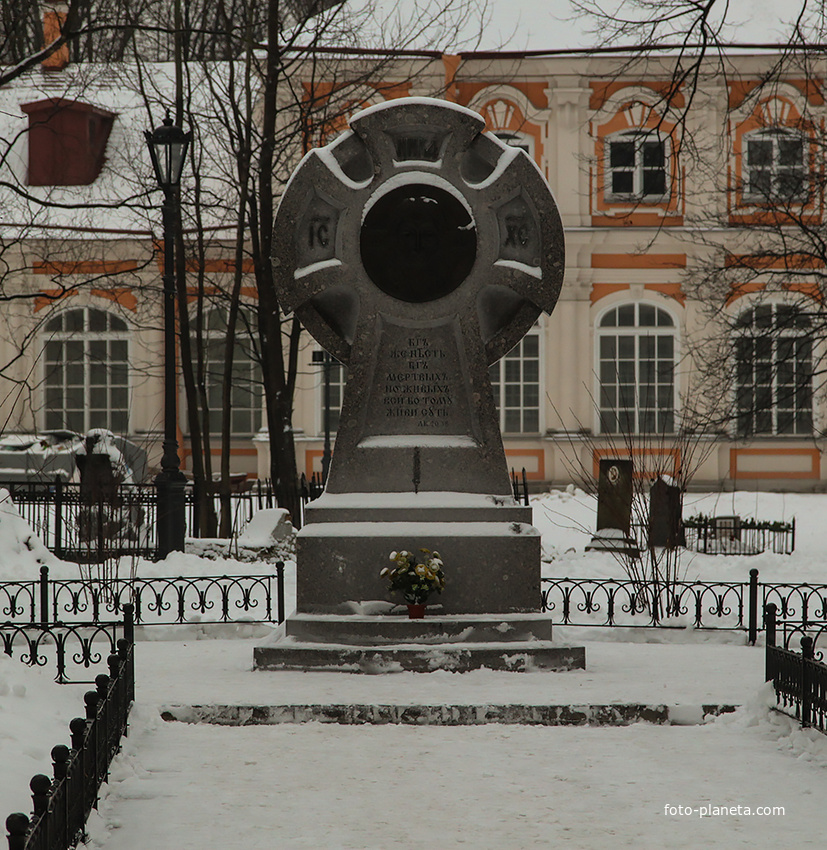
pixel 387 644
pixel 354 630
pixel 518 656
pixel 490 567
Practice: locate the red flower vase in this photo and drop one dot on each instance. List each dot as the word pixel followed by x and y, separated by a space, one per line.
pixel 415 611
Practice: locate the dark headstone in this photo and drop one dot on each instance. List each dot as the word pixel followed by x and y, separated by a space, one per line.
pixel 665 515
pixel 614 494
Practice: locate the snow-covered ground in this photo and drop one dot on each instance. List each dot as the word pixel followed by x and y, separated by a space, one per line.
pixel 504 787
pixel 494 786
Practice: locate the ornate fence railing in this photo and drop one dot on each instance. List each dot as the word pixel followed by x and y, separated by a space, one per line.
pixel 736 536
pixel 93 530
pixel 799 680
pixel 89 530
pixel 157 600
pixel 61 806
pixel 722 605
pixel 624 602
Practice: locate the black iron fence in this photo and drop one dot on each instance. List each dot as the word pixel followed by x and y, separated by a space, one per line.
pixel 159 600
pixel 732 535
pixel 61 805
pixel 720 605
pixel 89 530
pixel 799 680
pixel 86 530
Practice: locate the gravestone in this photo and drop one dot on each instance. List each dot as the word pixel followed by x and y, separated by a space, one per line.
pixel 665 515
pixel 615 486
pixel 417 250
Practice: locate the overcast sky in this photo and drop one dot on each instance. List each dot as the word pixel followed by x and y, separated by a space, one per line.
pixel 552 24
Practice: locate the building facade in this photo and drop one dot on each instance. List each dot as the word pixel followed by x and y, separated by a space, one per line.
pixel 669 197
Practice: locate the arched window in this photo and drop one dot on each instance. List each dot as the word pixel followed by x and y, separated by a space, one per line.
pixel 86 372
pixel 636 166
pixel 246 383
pixel 515 380
pixel 774 371
pixel 775 165
pixel 636 353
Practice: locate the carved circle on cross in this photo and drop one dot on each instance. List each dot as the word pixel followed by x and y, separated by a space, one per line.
pixel 416 213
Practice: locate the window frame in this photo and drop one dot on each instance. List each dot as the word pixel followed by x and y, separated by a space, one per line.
pixel 741 332
pixel 637 331
pixel 773 135
pixel 255 378
pixel 638 138
pixel 338 379
pixel 499 387
pixel 86 337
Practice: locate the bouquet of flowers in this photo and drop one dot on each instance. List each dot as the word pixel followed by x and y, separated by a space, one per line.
pixel 415 581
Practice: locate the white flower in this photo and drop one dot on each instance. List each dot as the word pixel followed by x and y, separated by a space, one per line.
pixel 393 556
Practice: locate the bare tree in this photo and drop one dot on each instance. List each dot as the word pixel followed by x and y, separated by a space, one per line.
pixel 258 82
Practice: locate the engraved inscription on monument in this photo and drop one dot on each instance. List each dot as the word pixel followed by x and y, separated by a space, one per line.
pixel 418 387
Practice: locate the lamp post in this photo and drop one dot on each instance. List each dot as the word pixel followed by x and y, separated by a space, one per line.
pixel 326 362
pixel 168 149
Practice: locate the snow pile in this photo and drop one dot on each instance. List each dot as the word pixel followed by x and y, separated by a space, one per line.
pixel 34 716
pixel 22 553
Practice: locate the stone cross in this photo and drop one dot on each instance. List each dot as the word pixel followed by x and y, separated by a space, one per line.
pixel 418 250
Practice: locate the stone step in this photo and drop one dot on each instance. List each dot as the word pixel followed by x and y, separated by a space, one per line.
pixel 397 628
pixel 416 507
pixel 517 656
pixel 612 714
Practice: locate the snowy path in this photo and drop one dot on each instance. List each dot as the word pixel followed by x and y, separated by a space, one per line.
pixel 504 787
pixel 219 671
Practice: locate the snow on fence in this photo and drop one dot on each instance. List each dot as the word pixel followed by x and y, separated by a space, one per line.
pixel 93 530
pixel 61 806
pixel 159 600
pixel 720 605
pixel 733 535
pixel 799 680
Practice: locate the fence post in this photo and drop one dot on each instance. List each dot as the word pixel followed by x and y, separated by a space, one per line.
pixel 770 620
pixel 752 611
pixel 60 761
pixel 17 825
pixel 525 489
pixel 58 516
pixel 280 590
pixel 40 787
pixel 807 655
pixel 129 622
pixel 44 595
pixel 770 612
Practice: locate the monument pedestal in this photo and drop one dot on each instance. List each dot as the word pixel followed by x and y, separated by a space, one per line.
pixel 418 250
pixel 489 547
pixel 393 643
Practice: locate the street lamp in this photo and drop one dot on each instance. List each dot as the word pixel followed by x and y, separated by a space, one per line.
pixel 168 149
pixel 326 361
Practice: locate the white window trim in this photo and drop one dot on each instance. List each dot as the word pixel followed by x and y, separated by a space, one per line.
pixel 86 335
pixel 318 395
pixel 637 330
pixel 816 354
pixel 538 330
pixel 258 412
pixel 636 196
pixel 772 134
